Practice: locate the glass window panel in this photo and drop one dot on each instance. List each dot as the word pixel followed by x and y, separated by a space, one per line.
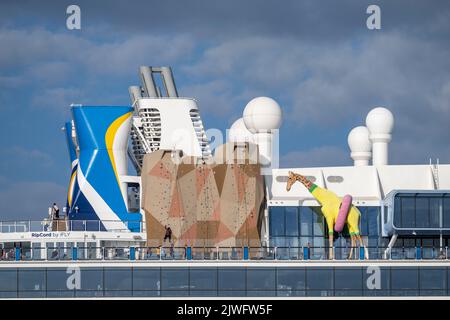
pixel 231 278
pixel 262 293
pixel 174 293
pixel 320 293
pixel 174 279
pixel 408 215
pixel 8 279
pixel 348 278
pixel 435 204
pixel 31 279
pixel 32 294
pixel 276 216
pixel 374 218
pixel 404 278
pixel 432 278
pixel 319 278
pixel 146 279
pixel 146 293
pixel 88 293
pixel 232 293
pixel 36 251
pixel 318 222
pixel 92 279
pixel 364 221
pixel 432 293
pixel 422 212
pixel 289 279
pixel 118 279
pixel 306 241
pixel 348 293
pixel 397 211
pixel 404 293
pixel 60 294
pixel 260 279
pixel 8 294
pixel 283 293
pixel 279 242
pixel 57 279
pixel 446 211
pixel 203 293
pixel 306 221
pixel 291 221
pixel 292 242
pixel 203 279
pixel 119 293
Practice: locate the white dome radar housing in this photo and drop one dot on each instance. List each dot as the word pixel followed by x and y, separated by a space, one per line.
pixel 262 114
pixel 360 145
pixel 358 139
pixel 380 121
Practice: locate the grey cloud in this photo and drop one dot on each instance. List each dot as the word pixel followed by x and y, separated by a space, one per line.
pixel 25 157
pixel 322 21
pixel 316 157
pixel 29 199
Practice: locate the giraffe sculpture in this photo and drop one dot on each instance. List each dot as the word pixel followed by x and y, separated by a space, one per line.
pixel 331 203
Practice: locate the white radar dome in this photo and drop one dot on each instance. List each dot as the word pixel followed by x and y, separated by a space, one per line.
pixel 380 121
pixel 239 133
pixel 262 114
pixel 358 140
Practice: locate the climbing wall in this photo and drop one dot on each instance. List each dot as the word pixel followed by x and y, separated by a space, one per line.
pixel 205 204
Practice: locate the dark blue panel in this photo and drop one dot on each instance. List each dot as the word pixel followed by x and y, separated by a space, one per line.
pixel 231 279
pixel 291 214
pixel 118 279
pixel 306 221
pixel 146 279
pixel 404 278
pixel 203 279
pixel 32 280
pixel 348 279
pixel 175 279
pixel 432 278
pixel 8 279
pixel 261 279
pixel 319 278
pixel 291 279
pixel 277 221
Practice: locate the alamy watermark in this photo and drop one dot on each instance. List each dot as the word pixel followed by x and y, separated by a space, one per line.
pixel 373 22
pixel 73 21
pixel 74 280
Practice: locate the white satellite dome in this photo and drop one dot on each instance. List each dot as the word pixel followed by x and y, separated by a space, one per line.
pixel 262 114
pixel 380 121
pixel 358 139
pixel 239 133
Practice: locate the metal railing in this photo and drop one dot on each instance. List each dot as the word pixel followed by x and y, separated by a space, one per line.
pixel 220 253
pixel 70 225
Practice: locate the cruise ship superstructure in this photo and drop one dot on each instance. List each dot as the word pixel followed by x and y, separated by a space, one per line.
pixel 235 230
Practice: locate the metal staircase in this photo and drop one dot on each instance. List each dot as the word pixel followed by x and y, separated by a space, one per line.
pixel 201 134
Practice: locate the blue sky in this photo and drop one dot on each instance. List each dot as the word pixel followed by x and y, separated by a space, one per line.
pixel 316 58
